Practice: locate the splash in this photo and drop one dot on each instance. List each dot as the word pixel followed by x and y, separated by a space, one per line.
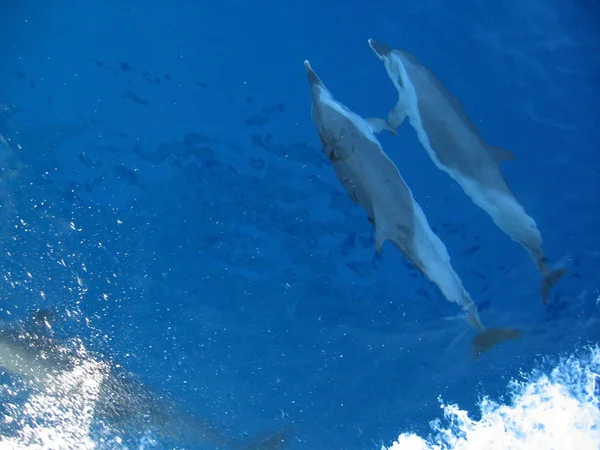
pixel 59 416
pixel 555 410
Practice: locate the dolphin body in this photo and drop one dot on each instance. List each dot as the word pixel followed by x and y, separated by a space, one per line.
pixel 373 182
pixel 31 352
pixel 456 147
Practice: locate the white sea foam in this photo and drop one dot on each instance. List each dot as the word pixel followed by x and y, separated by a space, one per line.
pixel 558 409
pixel 60 415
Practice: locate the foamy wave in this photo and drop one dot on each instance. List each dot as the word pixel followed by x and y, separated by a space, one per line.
pixel 556 410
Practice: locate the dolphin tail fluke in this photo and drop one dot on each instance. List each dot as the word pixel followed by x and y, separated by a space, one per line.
pixel 268 441
pixel 201 434
pixel 550 279
pixel 491 337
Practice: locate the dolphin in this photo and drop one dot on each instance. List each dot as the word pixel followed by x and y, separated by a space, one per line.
pixel 30 351
pixel 456 147
pixel 373 182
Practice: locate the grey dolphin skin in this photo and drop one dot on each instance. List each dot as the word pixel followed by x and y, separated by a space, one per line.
pixel 31 352
pixel 373 182
pixel 456 147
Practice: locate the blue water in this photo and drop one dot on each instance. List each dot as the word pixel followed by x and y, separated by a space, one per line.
pixel 164 191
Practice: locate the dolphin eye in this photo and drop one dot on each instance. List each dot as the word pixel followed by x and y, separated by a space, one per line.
pixel 399 78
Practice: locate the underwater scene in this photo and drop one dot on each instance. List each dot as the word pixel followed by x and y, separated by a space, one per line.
pixel 306 226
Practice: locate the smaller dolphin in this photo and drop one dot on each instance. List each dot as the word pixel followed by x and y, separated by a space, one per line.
pixel 373 181
pixel 455 146
pixel 30 351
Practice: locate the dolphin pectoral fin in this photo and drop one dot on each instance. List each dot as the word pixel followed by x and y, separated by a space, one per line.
pixel 490 337
pixel 378 124
pixel 550 279
pixel 501 154
pixel 396 116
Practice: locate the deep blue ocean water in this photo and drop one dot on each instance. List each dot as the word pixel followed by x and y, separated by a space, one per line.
pixel 164 191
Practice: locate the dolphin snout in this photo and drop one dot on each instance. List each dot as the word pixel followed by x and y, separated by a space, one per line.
pixel 313 78
pixel 381 49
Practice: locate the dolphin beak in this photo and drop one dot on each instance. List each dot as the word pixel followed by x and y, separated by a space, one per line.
pixel 313 78
pixel 381 49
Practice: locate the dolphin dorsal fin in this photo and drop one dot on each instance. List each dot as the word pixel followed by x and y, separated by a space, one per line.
pixel 380 238
pixel 501 154
pixel 394 232
pixel 378 124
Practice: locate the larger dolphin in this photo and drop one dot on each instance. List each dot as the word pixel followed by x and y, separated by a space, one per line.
pixel 30 351
pixel 456 147
pixel 373 181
